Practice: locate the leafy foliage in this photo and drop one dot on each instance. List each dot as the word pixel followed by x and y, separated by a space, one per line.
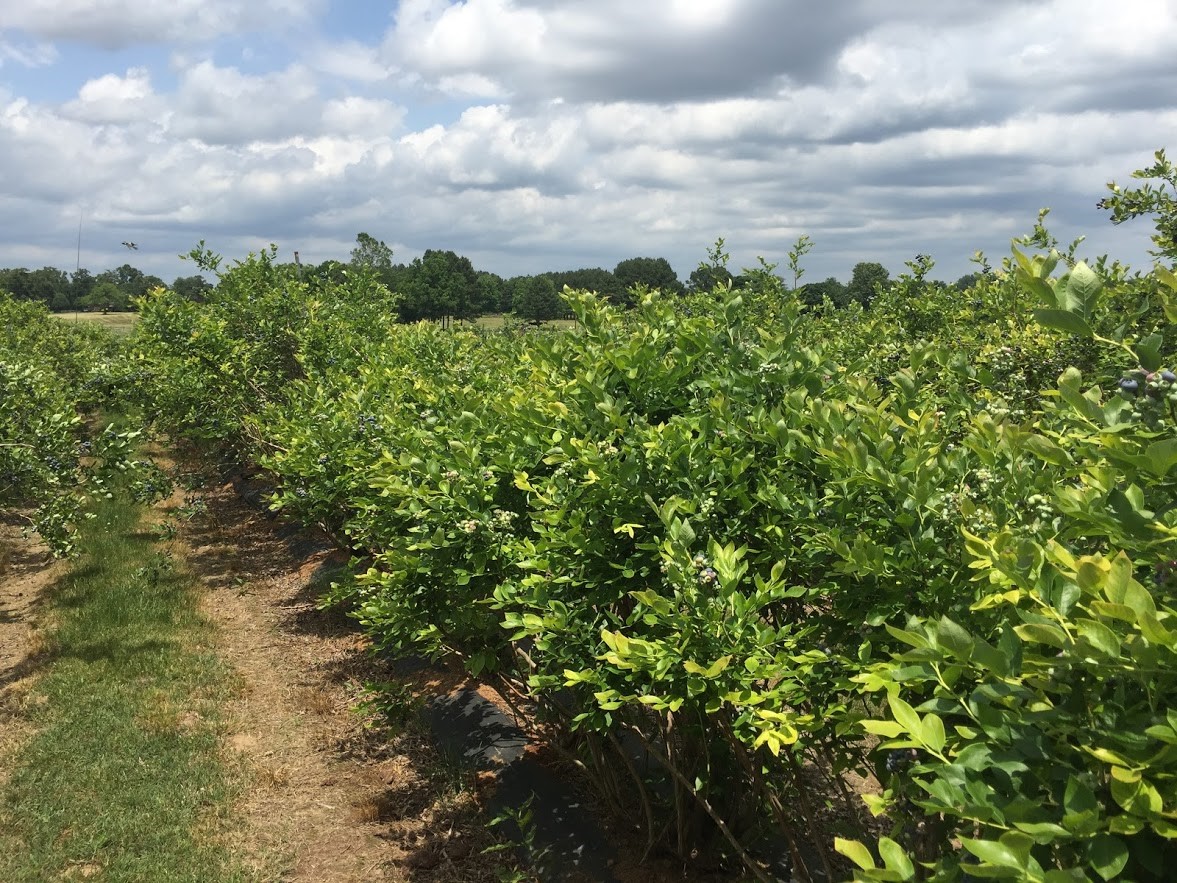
pixel 735 548
pixel 51 373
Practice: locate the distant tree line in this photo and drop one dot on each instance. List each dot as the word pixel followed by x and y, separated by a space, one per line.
pixel 445 285
pixel 82 290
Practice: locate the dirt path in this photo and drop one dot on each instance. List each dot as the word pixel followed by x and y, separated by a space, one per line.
pixel 331 796
pixel 334 797
pixel 26 572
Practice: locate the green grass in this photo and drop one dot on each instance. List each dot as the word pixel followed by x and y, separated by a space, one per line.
pixel 124 779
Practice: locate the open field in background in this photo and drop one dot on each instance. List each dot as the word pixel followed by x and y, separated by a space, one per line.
pixel 119 324
pixel 498 321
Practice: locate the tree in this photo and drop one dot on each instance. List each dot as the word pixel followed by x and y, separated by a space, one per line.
pixel 967 281
pixel 131 281
pixel 80 284
pixel 706 278
pixel 492 291
pixel 865 280
pixel 536 298
pixel 439 284
pixel 651 272
pixel 107 296
pixel 193 288
pixel 597 279
pixel 815 293
pixel 372 253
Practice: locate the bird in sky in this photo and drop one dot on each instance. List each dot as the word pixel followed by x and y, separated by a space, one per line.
pixel 131 245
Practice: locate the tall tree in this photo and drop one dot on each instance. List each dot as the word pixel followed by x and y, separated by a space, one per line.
pixel 439 284
pixel 106 295
pixel 815 293
pixel 80 283
pixel 131 280
pixel 651 272
pixel 597 279
pixel 193 288
pixel 536 298
pixel 492 290
pixel 865 280
pixel 372 253
pixel 706 278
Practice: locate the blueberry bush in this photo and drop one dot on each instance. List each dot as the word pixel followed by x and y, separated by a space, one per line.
pixel 54 453
pixel 885 590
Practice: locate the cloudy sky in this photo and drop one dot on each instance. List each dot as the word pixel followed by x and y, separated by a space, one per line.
pixel 535 134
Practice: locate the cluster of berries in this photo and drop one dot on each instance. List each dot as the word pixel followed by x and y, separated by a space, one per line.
pixel 369 423
pixel 323 459
pixel 1152 394
pixel 901 759
pixel 450 475
pixel 470 525
pixel 1040 507
pixel 705 572
pixel 1000 411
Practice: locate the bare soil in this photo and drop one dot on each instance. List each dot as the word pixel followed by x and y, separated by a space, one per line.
pixel 336 795
pixel 27 571
pixel 331 795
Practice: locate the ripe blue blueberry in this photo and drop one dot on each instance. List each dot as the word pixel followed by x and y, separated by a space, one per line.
pixel 1129 385
pixel 901 759
pixel 1168 376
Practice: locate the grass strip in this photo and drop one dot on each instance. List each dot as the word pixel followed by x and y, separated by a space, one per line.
pixel 124 779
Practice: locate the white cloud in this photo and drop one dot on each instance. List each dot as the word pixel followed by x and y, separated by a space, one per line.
pixel 112 99
pixel 223 105
pixel 530 134
pixel 119 23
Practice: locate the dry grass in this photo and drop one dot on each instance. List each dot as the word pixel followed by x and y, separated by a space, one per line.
pixel 118 324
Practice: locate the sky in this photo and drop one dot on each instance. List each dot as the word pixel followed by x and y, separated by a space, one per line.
pixel 533 135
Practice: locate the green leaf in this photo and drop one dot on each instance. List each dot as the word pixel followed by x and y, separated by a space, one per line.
pixel 886 729
pixel 1162 456
pixel 1068 386
pixel 993 853
pixel 717 667
pixel 954 639
pixel 1107 855
pixel 1063 320
pixel 1166 276
pixel 1132 520
pixel 1100 637
pixel 1082 286
pixel 1042 633
pixel 895 858
pixel 932 732
pixel 1044 449
pixel 856 852
pixel 905 715
pixel 1149 352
